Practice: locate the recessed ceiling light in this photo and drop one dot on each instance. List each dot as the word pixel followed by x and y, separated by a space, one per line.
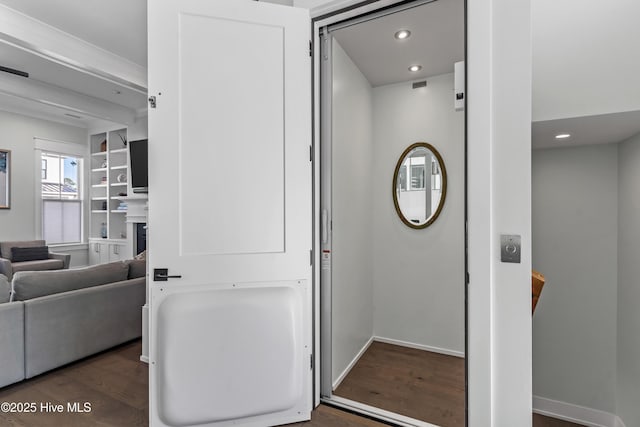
pixel 415 68
pixel 402 34
pixel 563 135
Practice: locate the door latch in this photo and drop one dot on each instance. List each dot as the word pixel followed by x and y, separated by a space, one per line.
pixel 162 274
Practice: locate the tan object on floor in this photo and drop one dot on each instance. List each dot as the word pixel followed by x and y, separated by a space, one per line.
pixel 537 282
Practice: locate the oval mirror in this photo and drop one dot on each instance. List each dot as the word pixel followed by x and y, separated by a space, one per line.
pixel 419 185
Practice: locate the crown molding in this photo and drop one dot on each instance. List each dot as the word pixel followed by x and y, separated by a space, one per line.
pixel 36 37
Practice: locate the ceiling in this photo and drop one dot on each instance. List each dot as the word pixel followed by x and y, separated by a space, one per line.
pixel 586 130
pixel 119 26
pixel 436 42
pixel 61 88
pixel 44 70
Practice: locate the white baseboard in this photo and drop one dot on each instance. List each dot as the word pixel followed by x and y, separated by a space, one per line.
pixel 144 359
pixel 420 346
pixel 575 413
pixel 350 366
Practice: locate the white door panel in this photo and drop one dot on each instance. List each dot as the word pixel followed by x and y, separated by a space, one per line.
pixel 248 321
pixel 246 172
pixel 230 197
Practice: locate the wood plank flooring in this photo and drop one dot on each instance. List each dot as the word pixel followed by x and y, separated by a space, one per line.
pixel 116 385
pixel 419 384
pixel 114 382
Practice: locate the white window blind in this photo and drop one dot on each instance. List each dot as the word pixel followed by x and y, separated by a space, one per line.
pixel 61 221
pixel 61 199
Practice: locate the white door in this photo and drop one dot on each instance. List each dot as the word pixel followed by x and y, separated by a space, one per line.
pixel 230 197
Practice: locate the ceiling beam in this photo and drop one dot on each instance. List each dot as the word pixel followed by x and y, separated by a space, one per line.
pixel 37 91
pixel 36 37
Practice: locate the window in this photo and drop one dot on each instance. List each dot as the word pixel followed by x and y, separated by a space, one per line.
pixel 412 175
pixel 417 177
pixel 61 198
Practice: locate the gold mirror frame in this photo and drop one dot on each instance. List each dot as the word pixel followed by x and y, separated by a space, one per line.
pixel 443 170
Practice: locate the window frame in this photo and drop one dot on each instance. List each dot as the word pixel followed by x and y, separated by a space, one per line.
pixel 60 159
pixel 80 151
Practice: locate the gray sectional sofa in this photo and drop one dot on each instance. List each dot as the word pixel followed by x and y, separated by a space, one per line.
pixel 56 317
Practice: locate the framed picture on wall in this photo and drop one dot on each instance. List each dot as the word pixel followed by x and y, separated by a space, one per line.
pixel 5 178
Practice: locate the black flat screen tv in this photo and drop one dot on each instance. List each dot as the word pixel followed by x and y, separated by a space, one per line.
pixel 139 166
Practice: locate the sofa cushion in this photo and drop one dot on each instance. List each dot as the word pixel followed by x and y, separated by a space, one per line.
pixel 5 247
pixel 33 284
pixel 35 253
pixel 44 264
pixel 5 289
pixel 137 268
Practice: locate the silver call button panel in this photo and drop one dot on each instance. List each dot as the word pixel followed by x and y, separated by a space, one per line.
pixel 510 248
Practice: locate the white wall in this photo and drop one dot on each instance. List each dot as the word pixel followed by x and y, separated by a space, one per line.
pixel 499 201
pixel 352 281
pixel 586 342
pixel 138 130
pixel 18 223
pixel 418 275
pixel 509 210
pixel 585 57
pixel 628 337
pixel 282 2
pixel 323 4
pixel 575 235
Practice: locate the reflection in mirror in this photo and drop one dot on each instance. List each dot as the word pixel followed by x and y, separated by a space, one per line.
pixel 419 185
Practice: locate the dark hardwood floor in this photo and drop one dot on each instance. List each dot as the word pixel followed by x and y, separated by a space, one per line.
pixel 419 384
pixel 116 385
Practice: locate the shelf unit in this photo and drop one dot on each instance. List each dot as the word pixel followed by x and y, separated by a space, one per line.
pixel 109 175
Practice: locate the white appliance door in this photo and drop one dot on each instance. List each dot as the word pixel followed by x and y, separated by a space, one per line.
pixel 230 196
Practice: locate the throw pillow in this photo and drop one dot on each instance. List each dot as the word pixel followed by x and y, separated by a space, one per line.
pixel 137 268
pixel 35 253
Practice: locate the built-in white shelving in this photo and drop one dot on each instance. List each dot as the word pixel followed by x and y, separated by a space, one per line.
pixel 109 174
